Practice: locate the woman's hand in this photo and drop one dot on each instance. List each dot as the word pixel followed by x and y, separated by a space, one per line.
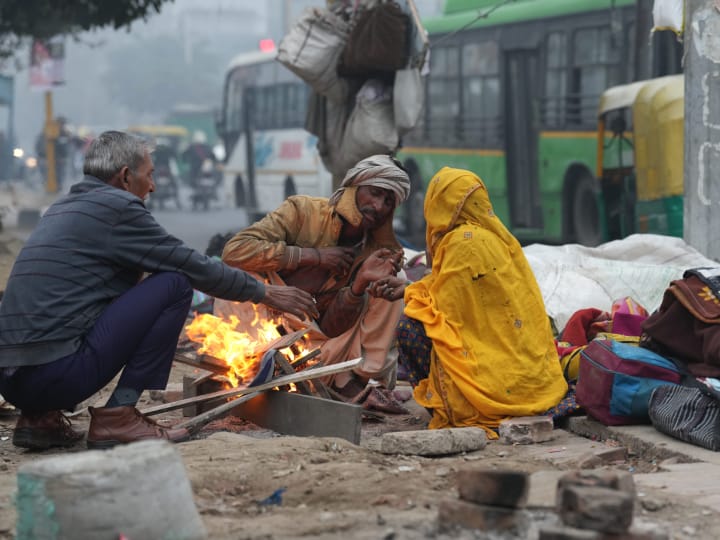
pixel 390 288
pixel 290 300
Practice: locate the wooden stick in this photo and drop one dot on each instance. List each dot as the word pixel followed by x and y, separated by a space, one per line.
pixel 287 369
pixel 305 375
pixel 304 359
pixel 282 342
pixel 208 416
pixel 188 359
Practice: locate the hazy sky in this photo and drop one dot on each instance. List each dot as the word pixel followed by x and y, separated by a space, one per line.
pixel 117 78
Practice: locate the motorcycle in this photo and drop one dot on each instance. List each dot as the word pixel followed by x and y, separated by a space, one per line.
pixel 166 189
pixel 205 188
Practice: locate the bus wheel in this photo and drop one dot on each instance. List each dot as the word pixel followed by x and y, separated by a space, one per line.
pixel 414 213
pixel 586 213
pixel 290 188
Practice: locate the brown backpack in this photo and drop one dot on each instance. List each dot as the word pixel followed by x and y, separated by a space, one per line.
pixel 687 325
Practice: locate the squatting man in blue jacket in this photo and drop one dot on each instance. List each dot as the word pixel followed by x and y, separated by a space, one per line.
pixel 76 310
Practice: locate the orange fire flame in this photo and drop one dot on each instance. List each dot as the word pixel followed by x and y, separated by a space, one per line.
pixel 240 350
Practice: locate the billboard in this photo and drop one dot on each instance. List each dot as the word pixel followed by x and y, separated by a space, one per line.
pixel 47 63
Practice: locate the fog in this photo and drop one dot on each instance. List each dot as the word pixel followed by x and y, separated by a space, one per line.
pixel 114 79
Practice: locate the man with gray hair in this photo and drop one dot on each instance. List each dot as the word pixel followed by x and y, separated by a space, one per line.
pixel 335 249
pixel 76 310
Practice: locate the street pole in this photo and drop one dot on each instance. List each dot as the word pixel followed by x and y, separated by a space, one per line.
pixel 51 133
pixel 701 221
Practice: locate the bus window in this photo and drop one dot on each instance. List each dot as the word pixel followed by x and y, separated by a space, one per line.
pixel 555 80
pixel 444 94
pixel 263 119
pixel 595 60
pixel 480 116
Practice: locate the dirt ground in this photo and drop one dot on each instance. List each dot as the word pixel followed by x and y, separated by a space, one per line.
pixel 334 489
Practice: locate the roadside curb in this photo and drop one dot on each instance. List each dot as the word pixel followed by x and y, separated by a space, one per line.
pixel 642 440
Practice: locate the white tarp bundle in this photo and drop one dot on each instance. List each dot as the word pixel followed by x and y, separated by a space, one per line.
pixel 574 277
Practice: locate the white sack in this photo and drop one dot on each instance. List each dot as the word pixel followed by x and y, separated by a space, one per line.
pixel 408 98
pixel 669 15
pixel 311 49
pixel 370 128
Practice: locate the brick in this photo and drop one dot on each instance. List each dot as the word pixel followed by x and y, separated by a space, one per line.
pixel 526 430
pixel 619 480
pixel 598 508
pixel 453 513
pixel 434 442
pixel 495 488
pixel 567 533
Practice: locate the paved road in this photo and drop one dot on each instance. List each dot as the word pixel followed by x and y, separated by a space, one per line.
pixel 196 228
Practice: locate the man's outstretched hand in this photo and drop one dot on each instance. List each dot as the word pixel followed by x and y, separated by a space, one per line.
pixel 290 300
pixel 380 264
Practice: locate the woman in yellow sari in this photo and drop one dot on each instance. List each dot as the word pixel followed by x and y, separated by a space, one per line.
pixel 475 336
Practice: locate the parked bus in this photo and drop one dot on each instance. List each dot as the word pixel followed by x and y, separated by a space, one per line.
pixel 514 97
pixel 263 114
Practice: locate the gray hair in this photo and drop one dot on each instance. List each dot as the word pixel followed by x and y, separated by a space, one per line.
pixel 113 150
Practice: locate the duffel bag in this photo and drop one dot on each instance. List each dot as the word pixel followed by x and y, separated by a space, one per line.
pixel 616 379
pixel 686 413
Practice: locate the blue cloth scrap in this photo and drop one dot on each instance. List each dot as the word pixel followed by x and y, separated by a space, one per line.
pixel 274 499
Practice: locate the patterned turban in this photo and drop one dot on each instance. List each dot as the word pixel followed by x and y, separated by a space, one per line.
pixel 379 170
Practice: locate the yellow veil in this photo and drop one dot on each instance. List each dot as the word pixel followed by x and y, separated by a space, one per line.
pixel 493 351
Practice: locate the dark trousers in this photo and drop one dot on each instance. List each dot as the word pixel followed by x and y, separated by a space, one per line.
pixel 138 331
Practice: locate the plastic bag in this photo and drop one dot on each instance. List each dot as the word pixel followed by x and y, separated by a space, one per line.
pixel 408 99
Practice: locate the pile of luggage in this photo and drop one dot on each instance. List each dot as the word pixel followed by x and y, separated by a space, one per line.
pixel 663 368
pixel 363 60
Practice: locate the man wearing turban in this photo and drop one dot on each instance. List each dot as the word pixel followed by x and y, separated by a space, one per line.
pixel 335 249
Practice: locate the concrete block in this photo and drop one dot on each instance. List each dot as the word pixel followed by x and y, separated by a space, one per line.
pixel 495 488
pixel 619 480
pixel 434 442
pixel 456 513
pixel 140 489
pixel 526 430
pixel 596 508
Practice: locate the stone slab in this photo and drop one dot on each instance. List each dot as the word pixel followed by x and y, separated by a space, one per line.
pixel 434 442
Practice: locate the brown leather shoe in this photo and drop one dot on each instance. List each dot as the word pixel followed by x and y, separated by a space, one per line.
pixel 40 431
pixel 110 426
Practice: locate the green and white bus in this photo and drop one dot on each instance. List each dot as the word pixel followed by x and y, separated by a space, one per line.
pixel 514 95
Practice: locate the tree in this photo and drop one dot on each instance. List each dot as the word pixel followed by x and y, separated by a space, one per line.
pixel 22 19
